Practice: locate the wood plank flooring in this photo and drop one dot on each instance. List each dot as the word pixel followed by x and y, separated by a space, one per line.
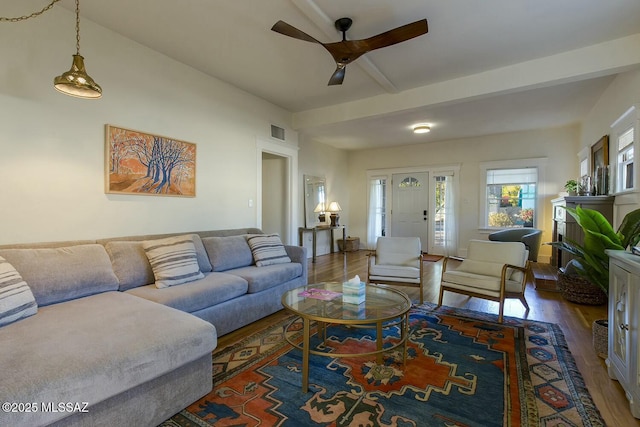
pixel 574 319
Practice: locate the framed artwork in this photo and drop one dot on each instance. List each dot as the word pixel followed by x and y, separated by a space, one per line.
pixel 600 166
pixel 142 163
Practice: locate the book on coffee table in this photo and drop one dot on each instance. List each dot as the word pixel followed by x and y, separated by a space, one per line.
pixel 321 294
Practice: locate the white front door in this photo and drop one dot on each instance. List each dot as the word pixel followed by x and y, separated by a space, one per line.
pixel 410 209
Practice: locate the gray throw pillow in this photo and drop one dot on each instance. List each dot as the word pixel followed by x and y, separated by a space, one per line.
pixel 173 260
pixel 267 249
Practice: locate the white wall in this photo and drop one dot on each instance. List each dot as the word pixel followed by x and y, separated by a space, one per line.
pixel 52 146
pixel 621 94
pixel 558 145
pixel 323 160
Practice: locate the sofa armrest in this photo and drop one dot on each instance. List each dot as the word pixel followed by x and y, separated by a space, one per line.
pixel 297 253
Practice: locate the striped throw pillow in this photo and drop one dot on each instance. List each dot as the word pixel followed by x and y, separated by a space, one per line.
pixel 173 260
pixel 267 249
pixel 16 298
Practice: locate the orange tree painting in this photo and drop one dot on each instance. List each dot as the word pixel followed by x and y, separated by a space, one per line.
pixel 141 163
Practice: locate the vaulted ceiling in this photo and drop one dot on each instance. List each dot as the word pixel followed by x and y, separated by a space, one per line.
pixel 484 67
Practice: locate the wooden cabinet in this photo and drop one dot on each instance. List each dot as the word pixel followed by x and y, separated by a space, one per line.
pixel 624 316
pixel 565 227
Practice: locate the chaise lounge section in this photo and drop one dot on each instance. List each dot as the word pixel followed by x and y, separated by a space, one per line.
pixel 107 347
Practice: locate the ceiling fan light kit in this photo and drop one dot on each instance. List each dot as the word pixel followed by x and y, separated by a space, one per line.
pixel 346 51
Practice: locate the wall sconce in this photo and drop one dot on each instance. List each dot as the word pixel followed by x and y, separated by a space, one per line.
pixel 76 82
pixel 334 208
pixel 321 211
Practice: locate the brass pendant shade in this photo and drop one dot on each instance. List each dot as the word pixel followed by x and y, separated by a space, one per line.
pixel 76 82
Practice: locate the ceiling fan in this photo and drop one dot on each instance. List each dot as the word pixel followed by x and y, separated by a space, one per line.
pixel 346 51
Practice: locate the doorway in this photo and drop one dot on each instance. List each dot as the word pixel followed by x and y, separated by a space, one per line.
pixel 274 194
pixel 410 211
pixel 277 189
pixel 414 202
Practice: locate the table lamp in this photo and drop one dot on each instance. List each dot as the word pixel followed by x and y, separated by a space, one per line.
pixel 321 211
pixel 334 208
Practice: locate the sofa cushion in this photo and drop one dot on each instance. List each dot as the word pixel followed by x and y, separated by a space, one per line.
pixel 213 289
pixel 398 251
pixel 86 350
pixel 61 274
pixel 228 252
pixel 486 285
pixel 261 278
pixel 130 264
pixel 16 299
pixel 484 268
pixel 173 260
pixel 267 249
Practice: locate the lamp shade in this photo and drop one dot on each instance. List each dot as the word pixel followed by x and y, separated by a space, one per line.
pixel 320 207
pixel 334 207
pixel 76 82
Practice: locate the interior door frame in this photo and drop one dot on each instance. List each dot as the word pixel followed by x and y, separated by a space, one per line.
pixel 290 153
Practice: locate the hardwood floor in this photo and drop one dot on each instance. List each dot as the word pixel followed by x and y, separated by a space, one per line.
pixel 574 319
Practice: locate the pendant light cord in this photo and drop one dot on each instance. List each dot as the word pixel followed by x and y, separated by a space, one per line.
pixel 77 26
pixel 33 15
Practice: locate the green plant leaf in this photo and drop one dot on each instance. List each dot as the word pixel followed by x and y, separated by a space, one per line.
pixel 630 229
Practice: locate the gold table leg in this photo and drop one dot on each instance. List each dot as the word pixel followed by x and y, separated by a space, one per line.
pixel 305 355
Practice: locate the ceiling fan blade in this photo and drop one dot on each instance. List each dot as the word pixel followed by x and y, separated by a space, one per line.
pixel 338 75
pixel 397 35
pixel 291 31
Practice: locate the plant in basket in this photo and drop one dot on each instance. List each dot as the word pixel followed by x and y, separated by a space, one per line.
pixel 592 262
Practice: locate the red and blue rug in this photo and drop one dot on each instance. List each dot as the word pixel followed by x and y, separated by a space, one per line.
pixel 462 369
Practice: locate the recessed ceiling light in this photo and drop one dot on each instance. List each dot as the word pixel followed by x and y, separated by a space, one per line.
pixel 421 129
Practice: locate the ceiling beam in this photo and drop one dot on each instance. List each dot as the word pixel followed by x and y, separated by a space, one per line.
pixel 598 60
pixel 327 25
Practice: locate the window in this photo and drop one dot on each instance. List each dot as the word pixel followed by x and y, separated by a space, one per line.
pixel 625 160
pixel 377 220
pixel 511 197
pixel 623 138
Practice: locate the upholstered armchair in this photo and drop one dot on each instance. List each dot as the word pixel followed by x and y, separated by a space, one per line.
pixel 396 261
pixel 531 237
pixel 492 270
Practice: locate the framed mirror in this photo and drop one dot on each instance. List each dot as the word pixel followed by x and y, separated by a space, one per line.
pixel 314 200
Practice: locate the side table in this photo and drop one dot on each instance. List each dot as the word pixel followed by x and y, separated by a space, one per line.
pixel 314 231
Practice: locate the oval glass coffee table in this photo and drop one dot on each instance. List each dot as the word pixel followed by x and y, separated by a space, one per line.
pixel 383 307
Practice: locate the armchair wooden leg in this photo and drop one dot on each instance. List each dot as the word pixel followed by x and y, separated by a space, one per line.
pixel 501 311
pixel 440 297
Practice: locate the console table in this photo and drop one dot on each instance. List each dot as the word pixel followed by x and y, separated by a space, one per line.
pixel 315 230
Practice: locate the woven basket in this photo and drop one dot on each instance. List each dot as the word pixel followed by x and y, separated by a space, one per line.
pixel 600 330
pixel 579 290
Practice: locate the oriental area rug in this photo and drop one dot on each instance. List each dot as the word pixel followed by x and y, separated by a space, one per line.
pixel 462 369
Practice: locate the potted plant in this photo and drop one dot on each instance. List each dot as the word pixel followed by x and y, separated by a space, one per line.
pixel 591 262
pixel 572 187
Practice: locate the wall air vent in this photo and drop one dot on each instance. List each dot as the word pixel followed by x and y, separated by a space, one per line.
pixel 277 132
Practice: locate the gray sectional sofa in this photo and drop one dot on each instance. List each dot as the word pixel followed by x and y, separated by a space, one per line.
pixel 107 347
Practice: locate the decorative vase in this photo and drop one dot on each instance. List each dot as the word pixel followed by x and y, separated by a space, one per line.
pixel 600 331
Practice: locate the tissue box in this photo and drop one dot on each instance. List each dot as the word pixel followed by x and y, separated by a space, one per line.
pixel 353 293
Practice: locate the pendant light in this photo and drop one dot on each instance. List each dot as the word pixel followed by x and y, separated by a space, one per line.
pixel 76 82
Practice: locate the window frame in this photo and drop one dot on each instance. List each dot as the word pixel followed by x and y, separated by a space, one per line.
pixel 627 121
pixel 539 163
